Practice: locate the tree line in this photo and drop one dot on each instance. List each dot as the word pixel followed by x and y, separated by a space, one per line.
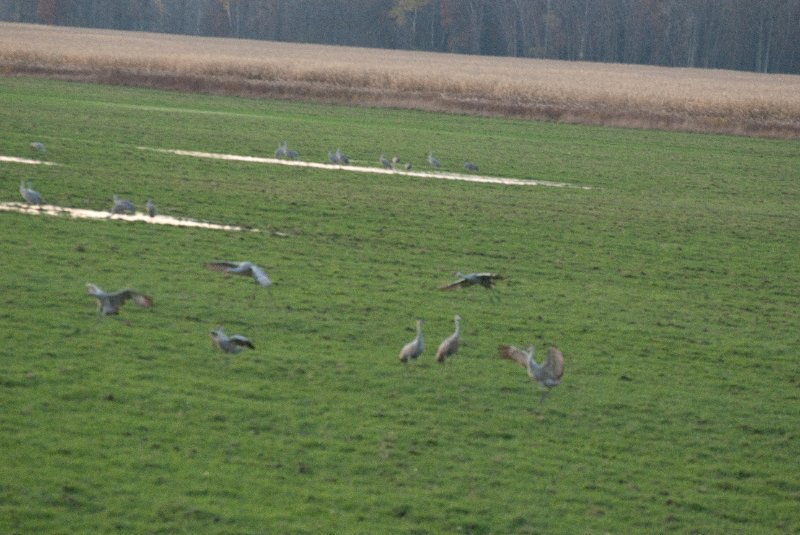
pixel 752 35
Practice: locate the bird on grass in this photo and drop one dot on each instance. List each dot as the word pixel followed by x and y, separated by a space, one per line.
pixel 384 162
pixel 414 348
pixel 122 206
pixel 280 152
pixel 230 344
pixel 341 158
pixel 151 207
pixel 110 303
pixel 433 161
pixel 242 268
pixel 449 345
pixel 29 195
pixel 38 146
pixel 548 375
pixel 471 279
pixel 471 167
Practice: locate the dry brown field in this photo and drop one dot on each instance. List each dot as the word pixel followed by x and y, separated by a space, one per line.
pixel 695 100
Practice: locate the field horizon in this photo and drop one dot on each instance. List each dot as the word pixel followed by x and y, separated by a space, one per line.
pixel 646 97
pixel 671 285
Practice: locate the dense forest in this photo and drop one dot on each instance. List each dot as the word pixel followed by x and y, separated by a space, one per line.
pixel 753 35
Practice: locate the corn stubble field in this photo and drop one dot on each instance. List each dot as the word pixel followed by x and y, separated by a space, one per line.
pixel 697 100
pixel 671 285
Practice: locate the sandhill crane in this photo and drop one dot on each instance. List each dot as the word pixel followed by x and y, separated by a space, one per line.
pixel 341 158
pixel 414 348
pixel 122 205
pixel 332 158
pixel 471 279
pixel 29 195
pixel 548 375
pixel 395 159
pixel 408 166
pixel 433 161
pixel 230 344
pixel 38 146
pixel 110 303
pixel 151 207
pixel 384 162
pixel 242 268
pixel 292 154
pixel 280 152
pixel 449 345
pixel 471 167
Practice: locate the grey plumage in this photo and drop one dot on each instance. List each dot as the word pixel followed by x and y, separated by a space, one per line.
pixel 449 345
pixel 433 161
pixel 471 279
pixel 471 167
pixel 548 375
pixel 341 158
pixel 280 152
pixel 151 207
pixel 414 348
pixel 384 162
pixel 110 303
pixel 29 195
pixel 121 206
pixel 230 344
pixel 408 166
pixel 242 268
pixel 38 146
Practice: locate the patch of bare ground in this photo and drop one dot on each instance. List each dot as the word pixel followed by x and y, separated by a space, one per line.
pixel 696 100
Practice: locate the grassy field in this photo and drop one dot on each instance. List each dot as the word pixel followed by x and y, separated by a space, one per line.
pixel 671 286
pixel 697 100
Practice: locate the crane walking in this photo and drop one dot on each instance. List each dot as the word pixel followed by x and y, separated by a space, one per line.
pixel 414 348
pixel 29 195
pixel 449 345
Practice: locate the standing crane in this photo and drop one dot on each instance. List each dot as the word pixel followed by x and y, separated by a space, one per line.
pixel 414 348
pixel 151 207
pixel 433 161
pixel 110 303
pixel 471 167
pixel 29 195
pixel 449 345
pixel 548 375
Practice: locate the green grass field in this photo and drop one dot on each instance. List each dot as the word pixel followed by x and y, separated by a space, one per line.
pixel 672 287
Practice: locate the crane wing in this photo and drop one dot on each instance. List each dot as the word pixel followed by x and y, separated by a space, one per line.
pixel 117 299
pixel 260 276
pixel 222 266
pixel 453 285
pixel 513 353
pixel 554 363
pixel 240 340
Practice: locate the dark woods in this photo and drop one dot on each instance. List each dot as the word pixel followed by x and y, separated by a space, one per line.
pixel 754 35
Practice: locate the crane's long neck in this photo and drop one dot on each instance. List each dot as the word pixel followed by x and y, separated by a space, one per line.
pixel 419 332
pixel 458 326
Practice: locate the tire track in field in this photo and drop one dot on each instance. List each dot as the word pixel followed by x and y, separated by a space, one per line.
pixel 80 213
pixel 373 170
